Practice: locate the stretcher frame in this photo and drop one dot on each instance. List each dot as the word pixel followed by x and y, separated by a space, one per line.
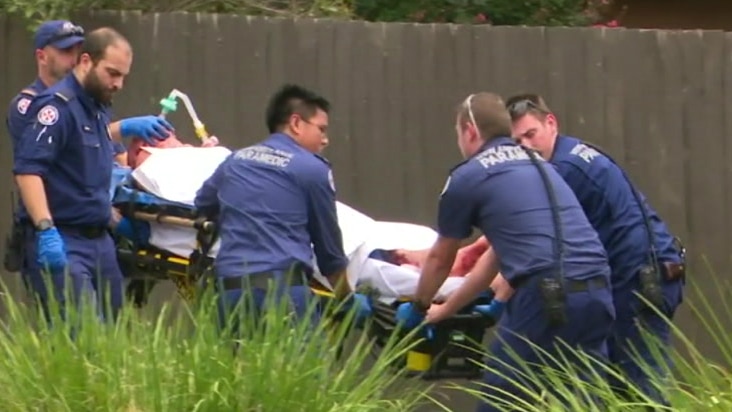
pixel 453 352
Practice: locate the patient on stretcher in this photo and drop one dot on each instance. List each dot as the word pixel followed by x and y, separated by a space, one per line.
pixel 381 254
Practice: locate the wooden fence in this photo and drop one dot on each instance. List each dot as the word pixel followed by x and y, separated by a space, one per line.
pixel 656 100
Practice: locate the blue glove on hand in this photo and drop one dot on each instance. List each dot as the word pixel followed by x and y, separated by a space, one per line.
pixel 408 317
pixel 360 304
pixel 138 232
pixel 51 253
pixel 363 308
pixel 492 310
pixel 146 127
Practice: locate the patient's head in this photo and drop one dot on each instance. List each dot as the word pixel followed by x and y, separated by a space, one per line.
pixel 136 154
pixel 301 114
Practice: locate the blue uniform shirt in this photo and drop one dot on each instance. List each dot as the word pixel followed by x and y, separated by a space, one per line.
pixel 500 191
pixel 17 119
pixel 275 203
pixel 68 144
pixel 607 198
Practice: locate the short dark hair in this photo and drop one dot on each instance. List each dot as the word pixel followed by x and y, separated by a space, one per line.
pixel 489 113
pixel 527 103
pixel 96 43
pixel 293 99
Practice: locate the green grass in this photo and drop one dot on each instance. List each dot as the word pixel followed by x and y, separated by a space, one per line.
pixel 695 382
pixel 178 361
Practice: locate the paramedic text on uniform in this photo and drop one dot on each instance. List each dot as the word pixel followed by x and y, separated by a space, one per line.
pixel 612 205
pixel 63 168
pixel 527 246
pixel 57 44
pixel 273 200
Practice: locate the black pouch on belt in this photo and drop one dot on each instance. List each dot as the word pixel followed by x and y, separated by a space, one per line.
pixel 650 286
pixel 13 253
pixel 552 292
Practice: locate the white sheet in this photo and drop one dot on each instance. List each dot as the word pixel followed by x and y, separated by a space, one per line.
pixel 176 174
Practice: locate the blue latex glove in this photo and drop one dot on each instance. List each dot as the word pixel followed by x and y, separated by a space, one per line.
pixel 363 308
pixel 493 310
pixel 360 304
pixel 148 128
pixel 51 253
pixel 408 317
pixel 138 232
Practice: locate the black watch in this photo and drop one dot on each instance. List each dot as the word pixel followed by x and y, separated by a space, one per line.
pixel 44 224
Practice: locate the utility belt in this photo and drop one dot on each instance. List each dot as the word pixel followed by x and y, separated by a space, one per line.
pixel 569 285
pixel 554 293
pixel 298 275
pixel 87 231
pixel 13 255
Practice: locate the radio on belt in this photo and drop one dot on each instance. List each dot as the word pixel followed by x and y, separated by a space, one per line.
pixel 552 288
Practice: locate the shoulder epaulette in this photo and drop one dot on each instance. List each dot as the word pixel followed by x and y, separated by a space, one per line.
pixel 29 92
pixel 322 159
pixel 460 164
pixel 65 94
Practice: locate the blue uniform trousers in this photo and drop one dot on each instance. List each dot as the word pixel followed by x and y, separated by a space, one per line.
pixel 629 343
pixel 590 317
pixel 93 273
pixel 248 303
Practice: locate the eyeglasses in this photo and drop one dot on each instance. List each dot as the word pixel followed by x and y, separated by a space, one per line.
pixel 521 107
pixel 323 129
pixel 469 106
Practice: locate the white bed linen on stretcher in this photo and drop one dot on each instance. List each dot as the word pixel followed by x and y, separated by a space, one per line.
pixel 176 174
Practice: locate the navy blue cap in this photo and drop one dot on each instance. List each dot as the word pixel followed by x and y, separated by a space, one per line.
pixel 60 34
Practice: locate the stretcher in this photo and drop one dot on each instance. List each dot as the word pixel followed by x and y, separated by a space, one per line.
pixel 181 248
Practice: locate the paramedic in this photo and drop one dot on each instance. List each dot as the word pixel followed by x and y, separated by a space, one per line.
pixel 63 168
pixel 562 265
pixel 57 45
pixel 273 200
pixel 612 205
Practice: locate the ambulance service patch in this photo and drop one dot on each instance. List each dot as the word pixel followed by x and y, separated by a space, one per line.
pixel 23 105
pixel 48 115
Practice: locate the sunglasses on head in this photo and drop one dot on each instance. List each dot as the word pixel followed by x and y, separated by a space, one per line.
pixel 469 106
pixel 521 107
pixel 68 30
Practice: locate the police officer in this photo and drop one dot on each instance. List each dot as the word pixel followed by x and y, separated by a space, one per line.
pixel 644 256
pixel 57 45
pixel 554 281
pixel 275 203
pixel 63 166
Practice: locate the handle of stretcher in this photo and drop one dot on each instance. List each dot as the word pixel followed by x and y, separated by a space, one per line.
pixel 478 310
pixel 177 221
pixel 482 309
